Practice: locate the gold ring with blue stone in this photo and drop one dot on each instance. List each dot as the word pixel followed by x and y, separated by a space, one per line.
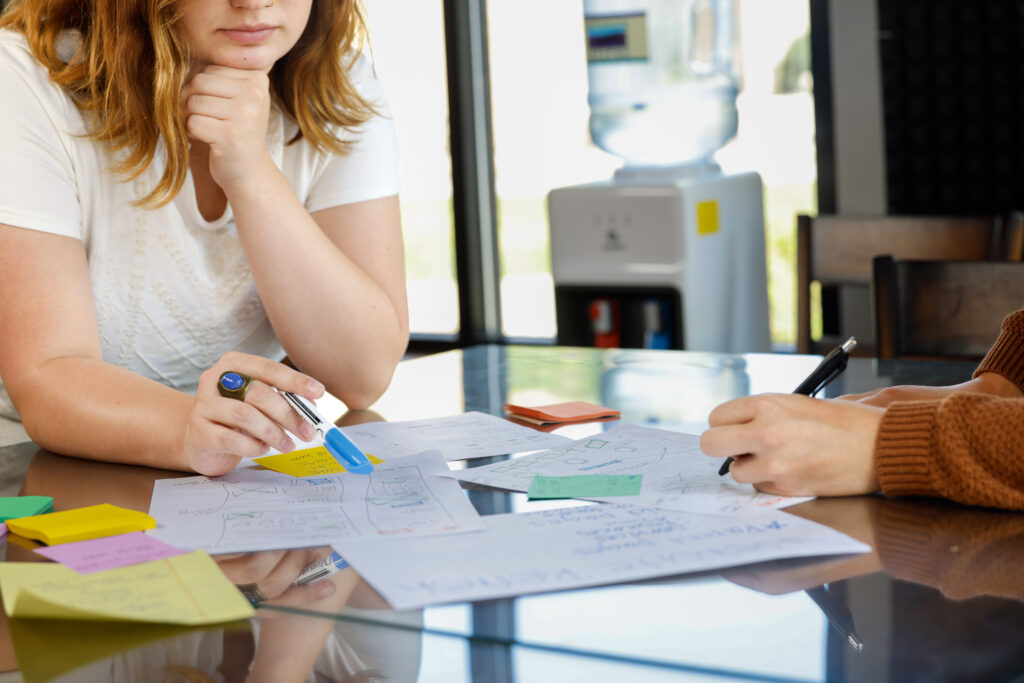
pixel 233 385
pixel 252 593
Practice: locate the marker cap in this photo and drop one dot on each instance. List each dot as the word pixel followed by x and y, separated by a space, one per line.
pixel 347 453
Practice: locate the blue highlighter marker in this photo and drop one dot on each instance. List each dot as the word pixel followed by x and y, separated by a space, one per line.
pixel 318 570
pixel 339 445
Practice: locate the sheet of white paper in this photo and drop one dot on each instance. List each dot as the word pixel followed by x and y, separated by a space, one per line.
pixel 252 509
pixel 469 435
pixel 581 546
pixel 676 474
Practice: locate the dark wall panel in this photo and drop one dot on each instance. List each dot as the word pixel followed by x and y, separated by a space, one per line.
pixel 953 101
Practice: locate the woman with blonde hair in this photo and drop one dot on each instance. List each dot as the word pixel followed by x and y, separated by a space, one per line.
pixel 192 187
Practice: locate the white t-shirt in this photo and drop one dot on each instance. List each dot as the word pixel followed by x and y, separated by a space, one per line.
pixel 173 291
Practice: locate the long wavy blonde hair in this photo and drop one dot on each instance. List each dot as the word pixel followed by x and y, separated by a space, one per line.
pixel 127 73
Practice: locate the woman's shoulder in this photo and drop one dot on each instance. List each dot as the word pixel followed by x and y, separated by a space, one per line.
pixel 14 48
pixel 25 83
pixel 363 74
pixel 18 61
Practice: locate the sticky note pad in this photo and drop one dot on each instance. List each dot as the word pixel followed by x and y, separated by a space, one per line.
pixel 570 411
pixel 109 552
pixel 81 524
pixel 584 486
pixel 186 589
pixel 24 506
pixel 306 462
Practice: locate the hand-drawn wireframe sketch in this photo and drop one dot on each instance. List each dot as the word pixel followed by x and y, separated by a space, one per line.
pixel 252 509
pixel 587 545
pixel 676 474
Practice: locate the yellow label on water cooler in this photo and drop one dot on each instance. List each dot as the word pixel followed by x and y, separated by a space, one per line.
pixel 707 217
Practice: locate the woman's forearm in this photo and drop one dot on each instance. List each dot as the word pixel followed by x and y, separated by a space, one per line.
pixel 87 408
pixel 334 318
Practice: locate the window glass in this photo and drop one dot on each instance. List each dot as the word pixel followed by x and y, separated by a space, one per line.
pixel 541 141
pixel 407 44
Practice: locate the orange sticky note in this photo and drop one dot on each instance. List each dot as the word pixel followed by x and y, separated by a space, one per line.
pixel 571 411
pixel 306 462
pixel 81 524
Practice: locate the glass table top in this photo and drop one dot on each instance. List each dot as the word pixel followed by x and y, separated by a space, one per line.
pixel 939 597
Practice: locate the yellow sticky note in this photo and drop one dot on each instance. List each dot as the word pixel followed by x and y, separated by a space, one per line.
pixel 184 589
pixel 306 462
pixel 707 217
pixel 81 524
pixel 83 644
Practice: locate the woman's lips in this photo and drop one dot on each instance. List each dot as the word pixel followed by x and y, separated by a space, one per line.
pixel 249 35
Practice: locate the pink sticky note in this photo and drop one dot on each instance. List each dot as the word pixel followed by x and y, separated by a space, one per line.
pixel 109 552
pixel 3 529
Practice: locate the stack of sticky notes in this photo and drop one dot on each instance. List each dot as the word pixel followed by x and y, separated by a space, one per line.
pixel 556 413
pixel 185 589
pixel 80 524
pixel 13 507
pixel 24 506
pixel 108 570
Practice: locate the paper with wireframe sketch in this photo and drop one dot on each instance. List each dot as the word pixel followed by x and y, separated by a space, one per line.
pixel 676 473
pixel 252 509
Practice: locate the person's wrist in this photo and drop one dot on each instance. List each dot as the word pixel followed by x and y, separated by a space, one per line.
pixel 259 179
pixel 997 385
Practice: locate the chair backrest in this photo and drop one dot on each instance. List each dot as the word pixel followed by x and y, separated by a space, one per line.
pixel 942 309
pixel 836 251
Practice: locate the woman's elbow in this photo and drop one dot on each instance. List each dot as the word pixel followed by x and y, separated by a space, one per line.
pixel 373 380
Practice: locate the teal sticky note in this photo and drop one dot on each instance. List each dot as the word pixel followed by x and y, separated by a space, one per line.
pixel 584 486
pixel 24 506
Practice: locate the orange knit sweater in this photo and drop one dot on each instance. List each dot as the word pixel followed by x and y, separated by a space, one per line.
pixel 966 447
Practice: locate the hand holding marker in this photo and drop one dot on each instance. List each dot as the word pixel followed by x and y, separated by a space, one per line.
pixel 339 445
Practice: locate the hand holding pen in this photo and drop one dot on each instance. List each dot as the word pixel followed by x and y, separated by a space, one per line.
pixel 349 455
pixel 237 412
pixel 830 367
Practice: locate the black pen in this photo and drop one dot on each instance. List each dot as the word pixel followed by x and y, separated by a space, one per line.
pixel 837 613
pixel 828 369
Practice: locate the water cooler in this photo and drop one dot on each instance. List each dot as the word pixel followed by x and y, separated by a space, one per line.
pixel 669 253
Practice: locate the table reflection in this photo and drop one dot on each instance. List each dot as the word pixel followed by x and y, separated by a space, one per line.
pixel 941 595
pixel 296 630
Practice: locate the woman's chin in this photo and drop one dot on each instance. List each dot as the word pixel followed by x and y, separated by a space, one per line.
pixel 250 59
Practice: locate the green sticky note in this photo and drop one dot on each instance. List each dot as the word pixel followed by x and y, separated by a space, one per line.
pixel 584 486
pixel 24 506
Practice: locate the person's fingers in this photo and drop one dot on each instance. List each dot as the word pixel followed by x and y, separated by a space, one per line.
pixel 730 440
pixel 213 464
pixel 220 428
pixel 250 567
pixel 298 596
pixel 274 573
pixel 271 372
pixel 218 108
pixel 736 411
pixel 230 72
pixel 275 407
pixel 210 83
pixel 251 418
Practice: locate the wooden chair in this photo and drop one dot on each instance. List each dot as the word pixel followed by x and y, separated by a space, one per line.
pixel 836 251
pixel 942 309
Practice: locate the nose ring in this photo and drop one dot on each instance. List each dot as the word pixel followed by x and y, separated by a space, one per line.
pixel 270 4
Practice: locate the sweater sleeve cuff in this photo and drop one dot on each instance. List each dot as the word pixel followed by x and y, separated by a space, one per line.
pixel 906 541
pixel 1006 357
pixel 903 447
